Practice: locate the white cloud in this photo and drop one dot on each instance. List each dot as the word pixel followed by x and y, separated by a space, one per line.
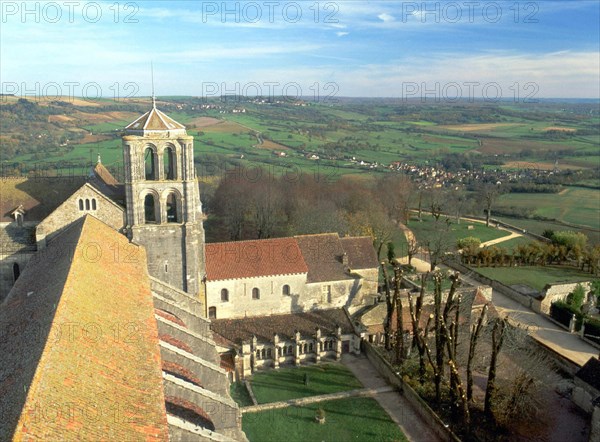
pixel 341 34
pixel 385 17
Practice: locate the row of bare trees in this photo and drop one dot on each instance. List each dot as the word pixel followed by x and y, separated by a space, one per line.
pixel 534 253
pixel 451 346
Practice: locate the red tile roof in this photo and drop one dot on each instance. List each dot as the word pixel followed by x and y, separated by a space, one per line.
pixel 83 345
pixel 264 327
pixel 249 259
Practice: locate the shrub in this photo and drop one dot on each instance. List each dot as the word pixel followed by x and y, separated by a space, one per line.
pixel 563 312
pixel 576 297
pixel 469 242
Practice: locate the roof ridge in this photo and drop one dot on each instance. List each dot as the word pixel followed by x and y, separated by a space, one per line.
pixel 318 234
pixel 251 240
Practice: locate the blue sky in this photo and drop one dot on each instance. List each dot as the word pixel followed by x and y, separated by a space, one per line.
pixel 351 48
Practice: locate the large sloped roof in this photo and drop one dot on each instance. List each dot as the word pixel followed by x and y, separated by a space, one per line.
pixel 323 255
pixel 154 120
pixel 361 254
pixel 82 360
pixel 107 184
pixel 39 196
pixel 319 256
pixel 249 259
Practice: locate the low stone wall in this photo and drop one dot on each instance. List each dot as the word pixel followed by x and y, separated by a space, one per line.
pixel 182 298
pixel 385 370
pixel 562 363
pixel 558 292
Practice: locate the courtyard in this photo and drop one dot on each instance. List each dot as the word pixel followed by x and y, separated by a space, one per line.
pixel 350 418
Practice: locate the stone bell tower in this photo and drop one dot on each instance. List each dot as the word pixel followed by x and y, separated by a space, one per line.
pixel 164 213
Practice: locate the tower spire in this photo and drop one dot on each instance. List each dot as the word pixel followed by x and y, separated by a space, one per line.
pixel 153 96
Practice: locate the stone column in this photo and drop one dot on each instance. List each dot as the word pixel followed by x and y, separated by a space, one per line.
pixel 247 359
pixel 253 353
pixel 297 348
pixel 338 343
pixel 318 345
pixel 275 350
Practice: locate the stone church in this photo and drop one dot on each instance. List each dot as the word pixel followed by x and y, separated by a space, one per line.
pixel 107 292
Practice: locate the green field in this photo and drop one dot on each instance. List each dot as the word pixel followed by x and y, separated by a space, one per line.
pixel 575 205
pixel 538 227
pixel 536 276
pixel 427 226
pixel 352 419
pixel 288 383
pixel 512 244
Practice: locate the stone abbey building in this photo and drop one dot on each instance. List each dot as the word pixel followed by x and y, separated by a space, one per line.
pixel 117 321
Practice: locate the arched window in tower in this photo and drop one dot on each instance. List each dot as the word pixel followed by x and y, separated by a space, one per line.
pixel 150 209
pixel 16 271
pixel 87 204
pixel 169 163
pixel 149 164
pixel 80 204
pixel 93 203
pixel 172 209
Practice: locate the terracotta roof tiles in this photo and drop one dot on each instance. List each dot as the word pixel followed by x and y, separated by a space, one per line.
pixel 83 342
pixel 323 255
pixel 264 327
pixel 248 259
pixel 361 254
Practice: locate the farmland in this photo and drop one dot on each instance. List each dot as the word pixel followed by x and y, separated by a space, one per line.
pixel 328 140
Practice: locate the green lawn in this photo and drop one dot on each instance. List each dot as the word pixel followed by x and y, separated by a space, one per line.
pixel 536 277
pixel 512 244
pixel 353 419
pixel 240 394
pixel 288 383
pixel 424 228
pixel 575 205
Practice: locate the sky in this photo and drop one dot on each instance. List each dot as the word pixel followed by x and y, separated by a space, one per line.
pixel 319 49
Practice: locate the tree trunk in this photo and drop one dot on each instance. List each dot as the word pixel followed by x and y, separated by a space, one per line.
pixel 439 349
pixel 399 320
pixel 497 339
pixel 475 331
pixel 389 301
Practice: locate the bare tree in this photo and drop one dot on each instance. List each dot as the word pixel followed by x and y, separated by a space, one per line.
pixel 438 243
pixel 412 248
pixel 488 193
pixel 475 332
pixel 497 340
pixel 390 305
pixel 419 334
pixel 400 352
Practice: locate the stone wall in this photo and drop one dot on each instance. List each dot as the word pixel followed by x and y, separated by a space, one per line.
pixel 69 211
pixel 240 302
pixel 7 269
pixel 303 296
pixel 558 292
pixel 583 395
pixel 419 405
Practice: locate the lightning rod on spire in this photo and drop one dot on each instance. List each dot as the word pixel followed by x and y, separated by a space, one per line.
pixel 152 74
